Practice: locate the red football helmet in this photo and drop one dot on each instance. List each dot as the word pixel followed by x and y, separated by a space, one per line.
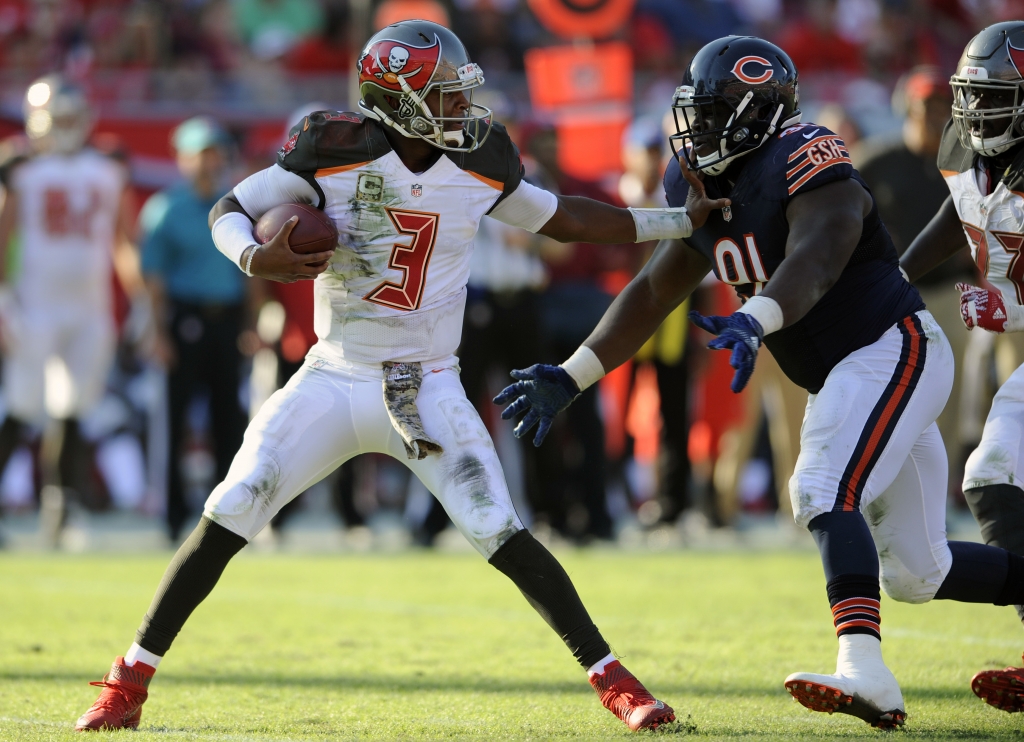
pixel 402 64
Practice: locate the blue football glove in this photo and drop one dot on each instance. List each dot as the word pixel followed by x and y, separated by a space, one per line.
pixel 739 332
pixel 542 392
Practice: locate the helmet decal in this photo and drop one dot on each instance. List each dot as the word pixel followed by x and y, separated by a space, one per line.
pixel 387 60
pixel 1016 57
pixel 766 71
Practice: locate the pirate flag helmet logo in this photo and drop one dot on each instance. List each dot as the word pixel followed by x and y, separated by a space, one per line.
pixel 988 90
pixel 402 65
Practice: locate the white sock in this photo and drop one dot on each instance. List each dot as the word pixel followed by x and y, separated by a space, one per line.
pixel 136 653
pixel 598 668
pixel 858 651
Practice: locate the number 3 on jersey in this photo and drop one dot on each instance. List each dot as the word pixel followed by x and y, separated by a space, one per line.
pixel 411 259
pixel 738 267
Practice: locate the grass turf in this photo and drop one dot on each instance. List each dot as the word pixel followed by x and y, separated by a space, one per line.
pixel 441 646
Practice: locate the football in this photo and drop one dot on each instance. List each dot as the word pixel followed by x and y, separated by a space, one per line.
pixel 315 231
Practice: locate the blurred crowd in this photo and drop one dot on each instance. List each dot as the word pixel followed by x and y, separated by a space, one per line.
pixel 659 443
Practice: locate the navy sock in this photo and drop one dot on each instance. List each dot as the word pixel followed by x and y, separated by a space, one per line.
pixel 978 574
pixel 845 544
pixel 851 570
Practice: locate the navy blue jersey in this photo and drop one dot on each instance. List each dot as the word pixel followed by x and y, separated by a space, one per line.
pixel 870 295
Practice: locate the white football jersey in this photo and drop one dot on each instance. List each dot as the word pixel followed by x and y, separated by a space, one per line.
pixel 396 286
pixel 67 221
pixel 993 223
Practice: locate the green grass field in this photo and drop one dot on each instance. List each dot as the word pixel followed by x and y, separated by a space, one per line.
pixel 441 646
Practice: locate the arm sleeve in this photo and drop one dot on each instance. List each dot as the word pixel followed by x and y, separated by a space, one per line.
pixel 262 191
pixel 527 206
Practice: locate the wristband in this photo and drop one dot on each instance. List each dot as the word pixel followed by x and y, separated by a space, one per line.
pixel 766 311
pixel 232 233
pixel 1014 318
pixel 661 224
pixel 248 260
pixel 584 367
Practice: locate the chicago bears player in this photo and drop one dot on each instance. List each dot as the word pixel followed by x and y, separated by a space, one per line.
pixel 802 243
pixel 69 206
pixel 407 180
pixel 982 161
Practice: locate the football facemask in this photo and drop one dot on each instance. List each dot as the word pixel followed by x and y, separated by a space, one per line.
pixel 988 114
pixel 715 131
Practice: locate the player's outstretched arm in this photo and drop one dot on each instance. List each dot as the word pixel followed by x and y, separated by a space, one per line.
pixel 579 219
pixel 275 260
pixel 942 238
pixel 542 391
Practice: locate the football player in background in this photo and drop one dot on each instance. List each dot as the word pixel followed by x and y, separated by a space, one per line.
pixel 70 208
pixel 407 182
pixel 982 160
pixel 804 246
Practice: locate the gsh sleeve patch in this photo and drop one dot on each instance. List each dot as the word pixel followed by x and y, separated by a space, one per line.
pixel 821 159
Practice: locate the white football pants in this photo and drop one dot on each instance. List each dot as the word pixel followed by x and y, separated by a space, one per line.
pixel 869 442
pixel 83 338
pixel 1000 455
pixel 328 413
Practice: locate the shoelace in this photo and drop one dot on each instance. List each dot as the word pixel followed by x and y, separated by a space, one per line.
pixel 109 700
pixel 630 698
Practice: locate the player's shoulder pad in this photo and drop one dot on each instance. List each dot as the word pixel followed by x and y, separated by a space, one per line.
pixel 953 157
pixel 805 157
pixel 327 139
pixel 497 163
pixel 676 187
pixel 1013 178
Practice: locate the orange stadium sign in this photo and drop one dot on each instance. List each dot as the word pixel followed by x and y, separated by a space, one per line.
pixel 593 19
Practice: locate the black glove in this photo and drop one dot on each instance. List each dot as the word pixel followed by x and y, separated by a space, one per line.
pixel 542 392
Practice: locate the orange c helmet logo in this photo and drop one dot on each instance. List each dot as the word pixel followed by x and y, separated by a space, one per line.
pixel 764 76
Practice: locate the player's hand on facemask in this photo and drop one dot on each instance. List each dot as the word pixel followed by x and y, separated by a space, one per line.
pixel 698 205
pixel 542 392
pixel 276 261
pixel 738 332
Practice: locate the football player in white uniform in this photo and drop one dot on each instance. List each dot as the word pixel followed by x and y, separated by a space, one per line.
pixel 982 161
pixel 67 204
pixel 407 182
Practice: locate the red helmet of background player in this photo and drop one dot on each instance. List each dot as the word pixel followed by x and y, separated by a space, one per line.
pixel 402 64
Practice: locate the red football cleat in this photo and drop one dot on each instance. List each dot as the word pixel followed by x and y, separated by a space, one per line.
pixel 1003 689
pixel 626 697
pixel 120 703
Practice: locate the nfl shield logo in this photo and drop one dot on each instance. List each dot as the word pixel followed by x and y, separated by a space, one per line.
pixel 417 190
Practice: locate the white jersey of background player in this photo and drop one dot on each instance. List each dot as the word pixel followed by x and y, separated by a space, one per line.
pixel 982 160
pixel 406 182
pixel 65 204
